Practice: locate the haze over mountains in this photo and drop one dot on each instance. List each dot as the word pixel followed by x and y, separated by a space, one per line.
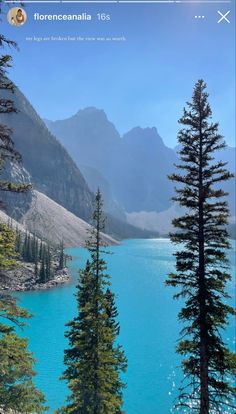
pixel 134 166
pixel 51 170
pixel 85 152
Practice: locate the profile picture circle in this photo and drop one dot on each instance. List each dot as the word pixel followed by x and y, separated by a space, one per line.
pixel 16 16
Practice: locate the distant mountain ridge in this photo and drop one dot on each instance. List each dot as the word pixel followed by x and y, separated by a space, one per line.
pixel 86 151
pixel 145 163
pixel 89 137
pixel 135 165
pixel 52 171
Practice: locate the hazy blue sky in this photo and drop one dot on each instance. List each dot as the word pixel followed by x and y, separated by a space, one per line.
pixel 144 81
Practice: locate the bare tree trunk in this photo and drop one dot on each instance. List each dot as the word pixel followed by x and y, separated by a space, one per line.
pixel 204 401
pixel 204 388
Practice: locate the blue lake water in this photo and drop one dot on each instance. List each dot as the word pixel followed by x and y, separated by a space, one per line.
pixel 148 318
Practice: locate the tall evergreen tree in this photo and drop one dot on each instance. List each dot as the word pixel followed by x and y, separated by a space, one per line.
pixel 94 360
pixel 7 149
pixel 42 272
pixel 18 244
pixel 35 248
pixel 62 256
pixel 29 249
pixel 41 251
pixel 201 262
pixel 36 255
pixel 36 269
pixel 48 264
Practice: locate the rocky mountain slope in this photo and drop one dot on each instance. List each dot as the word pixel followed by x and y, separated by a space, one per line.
pixel 48 166
pixel 96 180
pixel 52 222
pixel 52 170
pixel 14 204
pixel 4 218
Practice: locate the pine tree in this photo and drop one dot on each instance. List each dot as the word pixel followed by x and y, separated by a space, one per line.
pixel 61 256
pixel 42 273
pixel 36 269
pixel 48 264
pixel 7 148
pixel 94 361
pixel 7 247
pixel 25 248
pixel 36 256
pixel 30 249
pixel 35 249
pixel 201 261
pixel 17 390
pixel 18 244
pixel 112 312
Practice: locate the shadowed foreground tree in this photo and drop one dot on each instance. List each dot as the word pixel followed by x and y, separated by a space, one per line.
pixel 7 149
pixel 17 391
pixel 94 360
pixel 201 262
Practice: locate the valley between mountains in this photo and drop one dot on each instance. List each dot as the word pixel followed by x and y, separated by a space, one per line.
pixel 67 160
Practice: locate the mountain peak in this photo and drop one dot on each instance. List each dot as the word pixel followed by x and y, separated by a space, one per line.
pixel 91 111
pixel 141 135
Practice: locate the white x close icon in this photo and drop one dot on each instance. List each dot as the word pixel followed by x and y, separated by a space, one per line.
pixel 223 17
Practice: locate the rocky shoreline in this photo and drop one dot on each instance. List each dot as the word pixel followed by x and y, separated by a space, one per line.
pixel 21 278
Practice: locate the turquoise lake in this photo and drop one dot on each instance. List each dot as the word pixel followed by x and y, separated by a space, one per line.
pixel 148 318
